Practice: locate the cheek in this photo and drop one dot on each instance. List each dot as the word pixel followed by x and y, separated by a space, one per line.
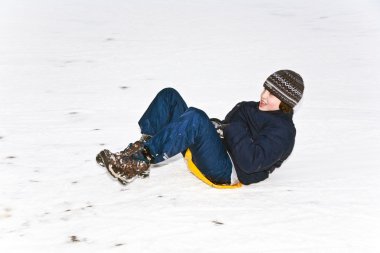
pixel 274 103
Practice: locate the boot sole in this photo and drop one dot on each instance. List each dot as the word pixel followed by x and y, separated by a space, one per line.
pixel 99 160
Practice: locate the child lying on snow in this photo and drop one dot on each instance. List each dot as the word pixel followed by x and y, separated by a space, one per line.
pixel 250 143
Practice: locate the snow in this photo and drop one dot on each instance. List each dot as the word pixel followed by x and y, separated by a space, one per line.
pixel 75 76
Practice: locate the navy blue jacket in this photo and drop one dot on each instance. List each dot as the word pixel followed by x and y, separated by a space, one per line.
pixel 257 141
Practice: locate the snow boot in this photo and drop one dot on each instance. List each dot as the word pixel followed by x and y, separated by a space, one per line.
pixel 128 151
pixel 134 148
pixel 145 137
pixel 127 168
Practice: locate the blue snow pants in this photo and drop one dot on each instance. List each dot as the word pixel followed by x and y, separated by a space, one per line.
pixel 174 128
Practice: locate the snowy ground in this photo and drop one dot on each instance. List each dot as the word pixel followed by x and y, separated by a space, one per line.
pixel 75 76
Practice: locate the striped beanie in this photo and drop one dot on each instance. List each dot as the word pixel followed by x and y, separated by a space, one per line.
pixel 286 85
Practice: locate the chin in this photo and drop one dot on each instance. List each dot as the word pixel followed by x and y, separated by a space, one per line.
pixel 263 108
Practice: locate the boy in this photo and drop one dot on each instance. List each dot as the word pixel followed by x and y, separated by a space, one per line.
pixel 250 143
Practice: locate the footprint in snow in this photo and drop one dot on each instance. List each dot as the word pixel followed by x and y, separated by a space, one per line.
pixel 74 238
pixel 218 223
pixel 77 116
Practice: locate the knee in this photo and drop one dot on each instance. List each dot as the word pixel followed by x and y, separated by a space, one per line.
pixel 197 114
pixel 168 92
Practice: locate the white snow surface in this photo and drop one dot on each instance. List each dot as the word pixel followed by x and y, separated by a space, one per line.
pixel 76 76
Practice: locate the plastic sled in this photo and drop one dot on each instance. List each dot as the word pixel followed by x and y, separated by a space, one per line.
pixel 193 168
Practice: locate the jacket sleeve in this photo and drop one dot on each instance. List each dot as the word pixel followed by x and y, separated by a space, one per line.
pixel 259 154
pixel 233 112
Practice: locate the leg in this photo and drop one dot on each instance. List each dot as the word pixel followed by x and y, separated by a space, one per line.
pixel 125 165
pixel 166 107
pixel 194 130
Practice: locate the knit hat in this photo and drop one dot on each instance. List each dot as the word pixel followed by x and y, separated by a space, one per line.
pixel 286 85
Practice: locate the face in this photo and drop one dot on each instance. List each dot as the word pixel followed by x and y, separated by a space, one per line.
pixel 269 102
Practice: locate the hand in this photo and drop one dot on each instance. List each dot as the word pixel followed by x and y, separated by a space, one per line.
pixel 219 126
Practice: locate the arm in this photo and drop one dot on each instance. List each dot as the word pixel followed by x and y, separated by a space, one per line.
pixel 259 154
pixel 232 113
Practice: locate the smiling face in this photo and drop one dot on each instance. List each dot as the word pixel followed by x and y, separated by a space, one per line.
pixel 269 102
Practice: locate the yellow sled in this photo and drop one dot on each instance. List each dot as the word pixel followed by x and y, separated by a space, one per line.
pixel 193 168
